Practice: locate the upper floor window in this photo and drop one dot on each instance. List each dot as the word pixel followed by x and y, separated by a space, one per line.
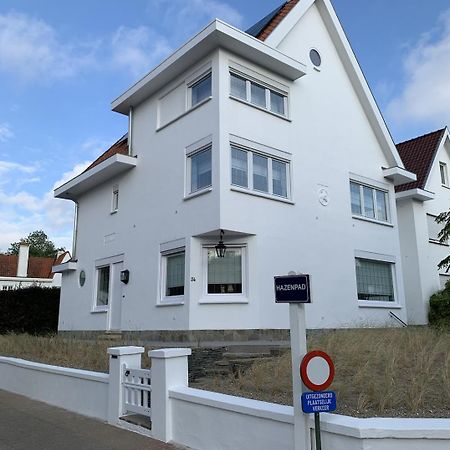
pixel 258 94
pixel 444 173
pixel 199 170
pixel 201 90
pixel 258 172
pixel 115 198
pixel 369 202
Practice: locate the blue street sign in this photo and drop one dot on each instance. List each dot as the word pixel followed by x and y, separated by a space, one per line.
pixel 317 402
pixel 292 289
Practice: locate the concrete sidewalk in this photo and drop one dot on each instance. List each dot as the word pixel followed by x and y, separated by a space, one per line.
pixel 29 425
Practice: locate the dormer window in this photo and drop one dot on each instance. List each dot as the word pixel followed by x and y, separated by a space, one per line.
pixel 444 174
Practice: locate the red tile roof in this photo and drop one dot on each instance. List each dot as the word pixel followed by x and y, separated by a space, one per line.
pixel 120 147
pixel 38 266
pixel 418 155
pixel 276 20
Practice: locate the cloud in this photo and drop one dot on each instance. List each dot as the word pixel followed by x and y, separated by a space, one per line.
pixel 23 212
pixel 7 166
pixel 5 132
pixel 139 49
pixel 183 18
pixel 425 96
pixel 31 49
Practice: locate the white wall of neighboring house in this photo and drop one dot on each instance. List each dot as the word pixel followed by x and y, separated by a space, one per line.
pixel 327 138
pixel 421 255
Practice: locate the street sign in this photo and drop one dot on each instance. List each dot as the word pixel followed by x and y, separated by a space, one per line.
pixel 317 370
pixel 317 402
pixel 292 289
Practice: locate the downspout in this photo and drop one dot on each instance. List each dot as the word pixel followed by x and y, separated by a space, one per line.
pixel 130 132
pixel 75 232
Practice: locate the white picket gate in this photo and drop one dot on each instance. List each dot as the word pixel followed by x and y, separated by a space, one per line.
pixel 137 389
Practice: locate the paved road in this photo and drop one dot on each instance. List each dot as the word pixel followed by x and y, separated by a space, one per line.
pixel 29 425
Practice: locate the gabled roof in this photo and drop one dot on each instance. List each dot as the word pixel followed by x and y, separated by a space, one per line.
pixel 119 147
pixel 273 32
pixel 418 155
pixel 38 266
pixel 262 29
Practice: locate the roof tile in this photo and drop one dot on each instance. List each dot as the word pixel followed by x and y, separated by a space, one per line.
pixel 119 147
pixel 418 155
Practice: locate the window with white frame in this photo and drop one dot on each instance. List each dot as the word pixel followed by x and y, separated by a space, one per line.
pixel 374 280
pixel 201 90
pixel 443 173
pixel 257 94
pixel 433 228
pixel 369 202
pixel 199 164
pixel 115 198
pixel 258 172
pixel 103 277
pixel 173 274
pixel 225 275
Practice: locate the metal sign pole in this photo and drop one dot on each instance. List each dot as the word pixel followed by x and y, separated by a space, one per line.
pixel 298 351
pixel 317 431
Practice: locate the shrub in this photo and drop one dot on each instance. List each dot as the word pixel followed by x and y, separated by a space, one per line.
pixel 31 310
pixel 439 314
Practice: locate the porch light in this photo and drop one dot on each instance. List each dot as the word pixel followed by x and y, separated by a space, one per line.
pixel 221 248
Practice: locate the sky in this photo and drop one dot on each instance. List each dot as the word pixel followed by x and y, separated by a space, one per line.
pixel 62 63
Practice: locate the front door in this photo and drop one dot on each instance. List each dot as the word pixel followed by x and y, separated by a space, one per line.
pixel 115 307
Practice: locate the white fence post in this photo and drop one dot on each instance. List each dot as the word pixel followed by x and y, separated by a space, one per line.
pixel 169 370
pixel 119 357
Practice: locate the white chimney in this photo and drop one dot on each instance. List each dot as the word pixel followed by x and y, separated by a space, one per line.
pixel 22 263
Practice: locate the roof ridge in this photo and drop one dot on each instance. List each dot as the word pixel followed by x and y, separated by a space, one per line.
pixel 441 130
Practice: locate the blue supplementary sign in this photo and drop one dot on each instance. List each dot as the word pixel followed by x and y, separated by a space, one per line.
pixel 292 289
pixel 317 402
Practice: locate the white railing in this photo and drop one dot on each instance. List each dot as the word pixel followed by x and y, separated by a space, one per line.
pixel 137 389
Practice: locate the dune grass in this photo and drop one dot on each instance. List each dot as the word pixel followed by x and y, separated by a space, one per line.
pixel 379 372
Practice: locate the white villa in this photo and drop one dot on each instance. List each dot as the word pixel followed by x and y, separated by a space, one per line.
pixel 418 204
pixel 271 135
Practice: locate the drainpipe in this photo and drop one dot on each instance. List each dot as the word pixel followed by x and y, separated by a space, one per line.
pixel 75 232
pixel 130 131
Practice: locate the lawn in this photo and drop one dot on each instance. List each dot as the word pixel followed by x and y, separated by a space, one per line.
pixel 379 372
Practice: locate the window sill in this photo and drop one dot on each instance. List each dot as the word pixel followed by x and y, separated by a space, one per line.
pixel 197 193
pixel 245 102
pixel 113 212
pixel 262 194
pixel 222 299
pixel 378 304
pixel 170 303
pixel 445 186
pixel 99 310
pixel 161 127
pixel 432 241
pixel 368 219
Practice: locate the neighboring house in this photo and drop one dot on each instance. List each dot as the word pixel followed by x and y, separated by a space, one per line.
pixel 272 136
pixel 22 270
pixel 418 204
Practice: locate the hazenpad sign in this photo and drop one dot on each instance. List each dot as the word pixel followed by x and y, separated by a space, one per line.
pixel 317 370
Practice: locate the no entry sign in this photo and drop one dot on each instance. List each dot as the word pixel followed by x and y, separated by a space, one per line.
pixel 317 370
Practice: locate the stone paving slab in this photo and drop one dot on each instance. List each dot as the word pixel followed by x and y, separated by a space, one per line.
pixel 30 425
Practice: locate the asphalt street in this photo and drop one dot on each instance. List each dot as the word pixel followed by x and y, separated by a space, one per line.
pixel 29 425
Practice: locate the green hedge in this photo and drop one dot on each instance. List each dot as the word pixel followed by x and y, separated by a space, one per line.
pixel 31 310
pixel 439 314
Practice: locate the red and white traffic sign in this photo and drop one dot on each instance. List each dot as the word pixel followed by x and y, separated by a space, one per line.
pixel 317 370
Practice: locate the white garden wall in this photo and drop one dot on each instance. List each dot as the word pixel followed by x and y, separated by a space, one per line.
pixel 206 420
pixel 80 391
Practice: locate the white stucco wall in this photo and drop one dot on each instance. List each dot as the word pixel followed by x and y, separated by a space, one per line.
pixel 420 256
pixel 329 139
